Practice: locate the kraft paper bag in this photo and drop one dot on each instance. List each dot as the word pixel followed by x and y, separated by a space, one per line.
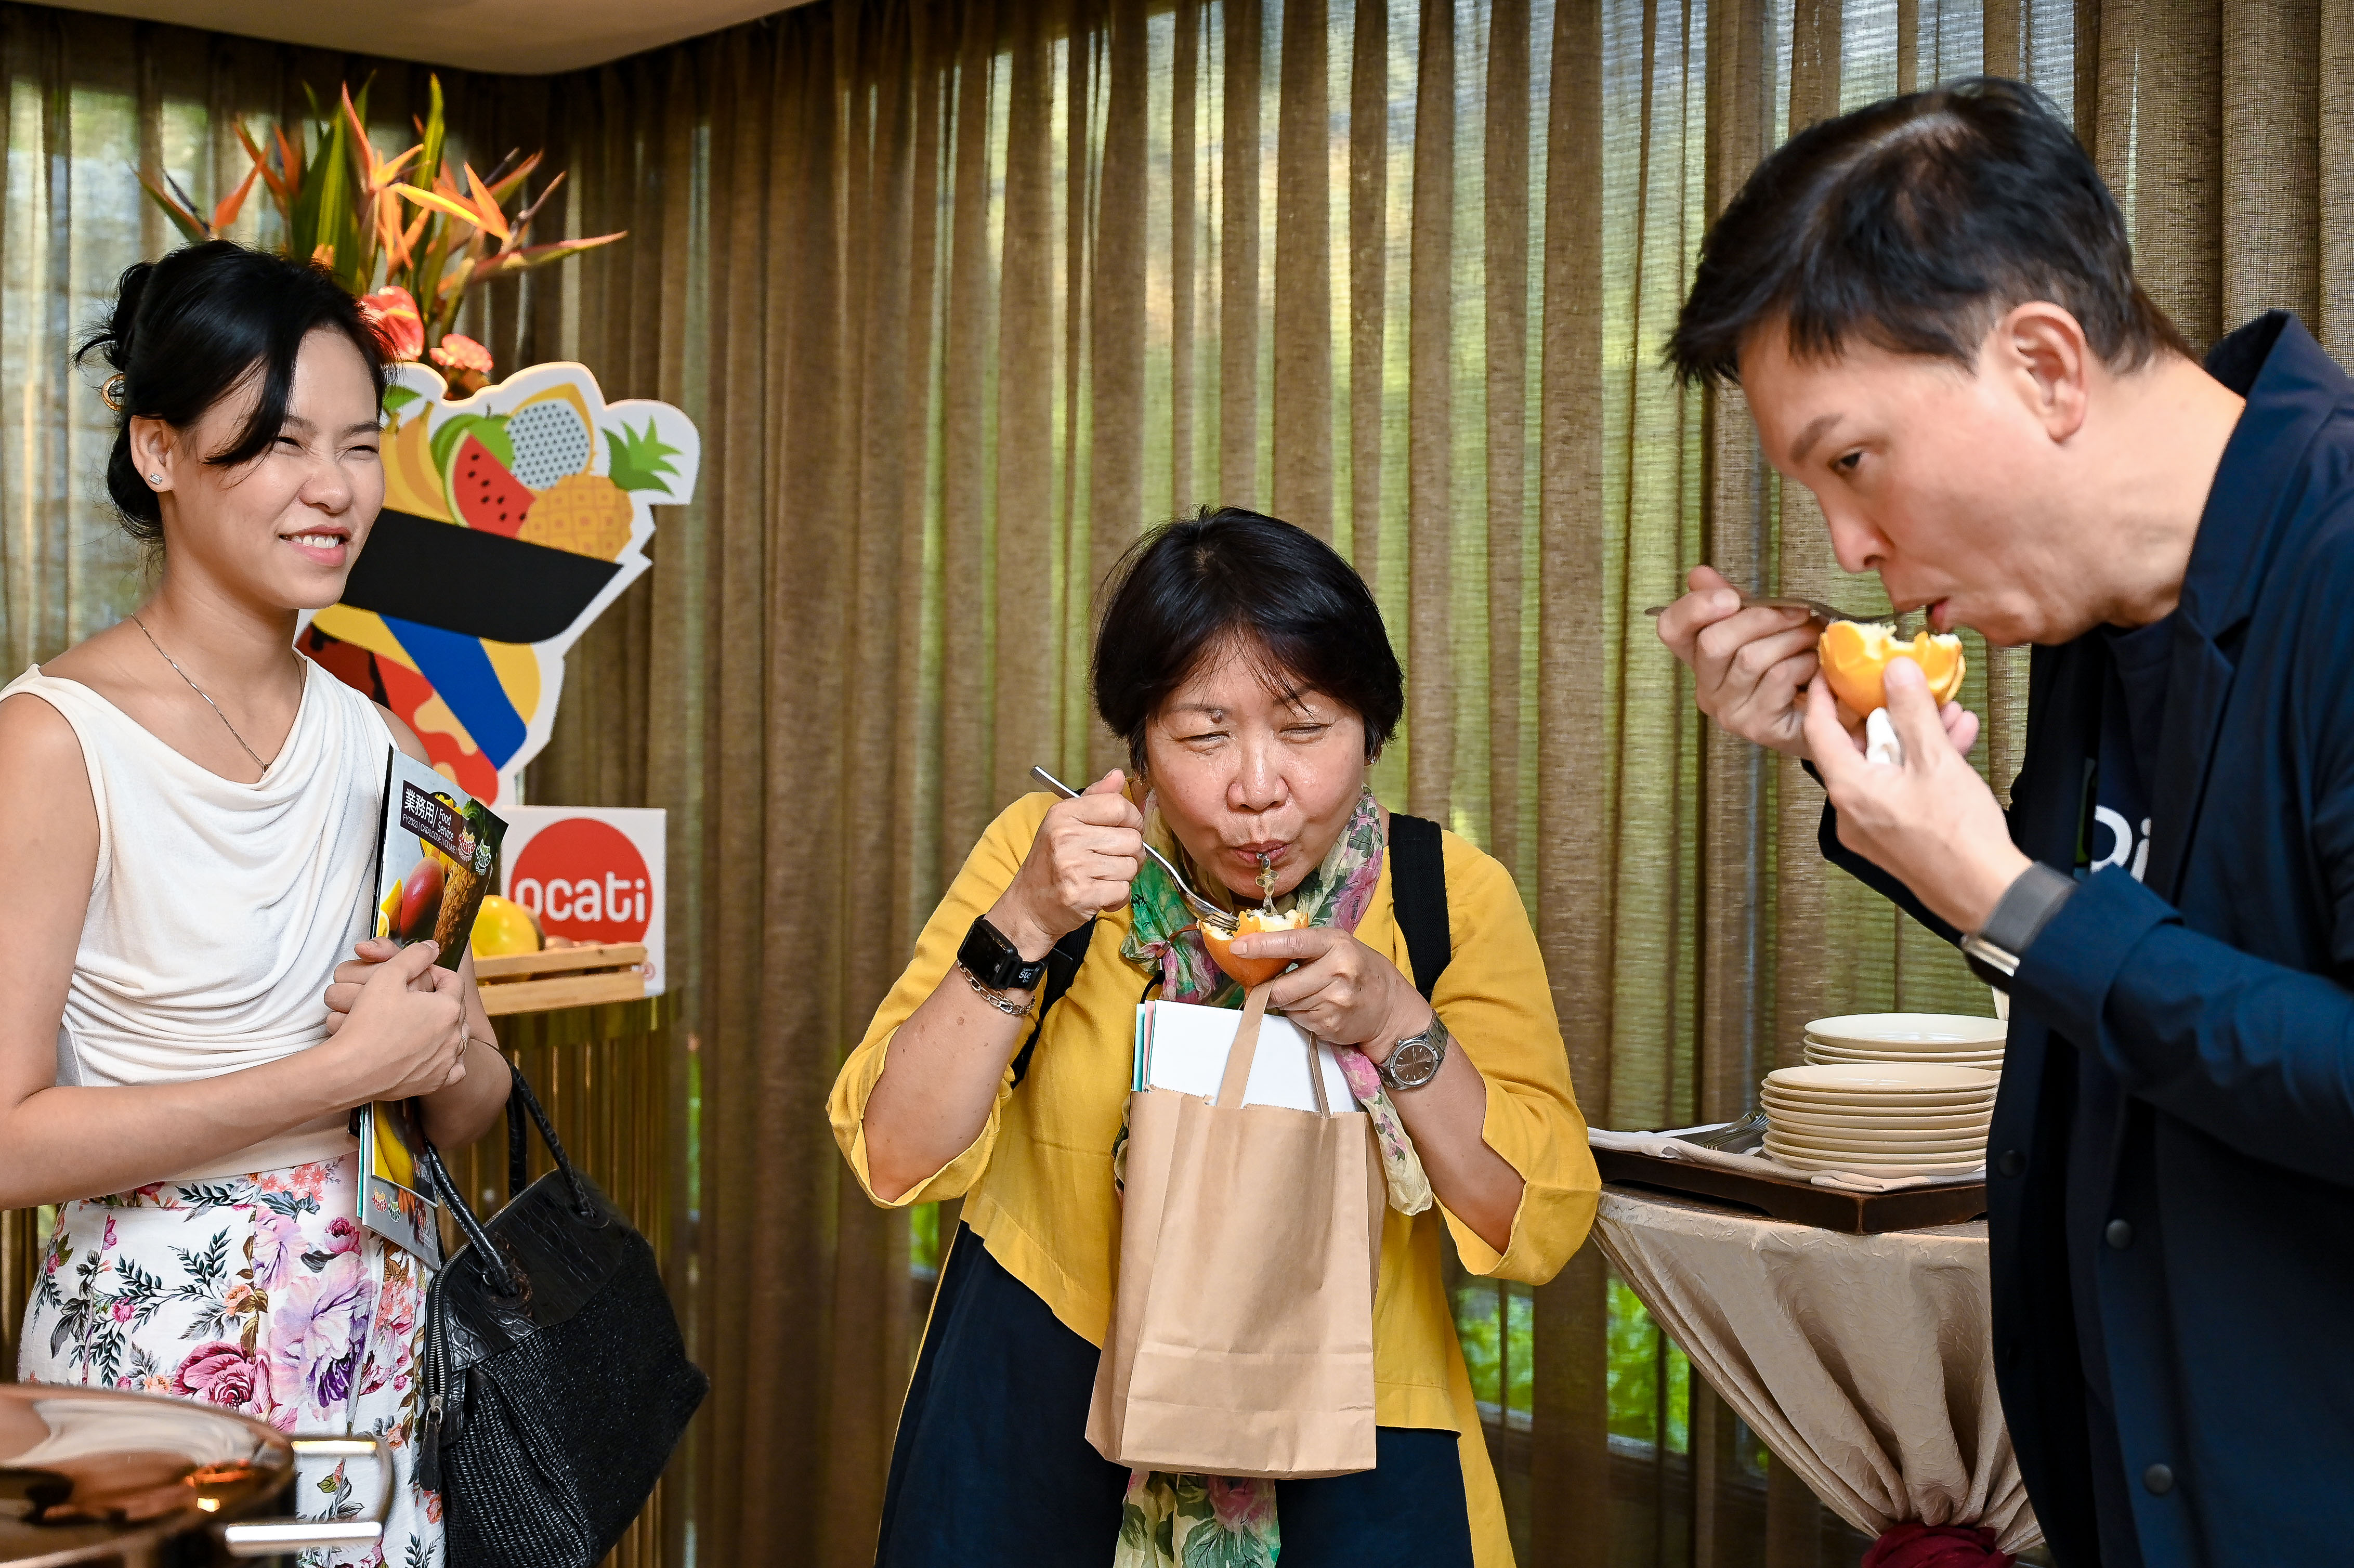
pixel 1242 1331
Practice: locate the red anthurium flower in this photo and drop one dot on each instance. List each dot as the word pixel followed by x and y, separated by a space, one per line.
pixel 392 312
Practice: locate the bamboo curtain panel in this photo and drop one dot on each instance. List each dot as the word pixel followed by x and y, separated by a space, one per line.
pixel 962 294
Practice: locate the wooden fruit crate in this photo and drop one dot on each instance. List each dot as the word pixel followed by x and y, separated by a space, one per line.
pixel 562 977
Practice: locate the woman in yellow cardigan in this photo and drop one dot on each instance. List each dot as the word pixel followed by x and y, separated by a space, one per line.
pixel 1246 667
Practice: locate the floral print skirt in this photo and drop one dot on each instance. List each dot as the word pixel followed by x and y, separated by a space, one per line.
pixel 261 1293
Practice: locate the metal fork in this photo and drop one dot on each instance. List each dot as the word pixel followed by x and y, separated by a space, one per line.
pixel 1826 613
pixel 1209 912
pixel 1741 1137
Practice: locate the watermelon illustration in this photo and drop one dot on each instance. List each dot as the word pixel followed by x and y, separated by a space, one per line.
pixel 484 492
pixel 551 442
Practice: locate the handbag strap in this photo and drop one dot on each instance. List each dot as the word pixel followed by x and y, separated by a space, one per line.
pixel 1245 1050
pixel 520 1095
pixel 493 1262
pixel 518 1167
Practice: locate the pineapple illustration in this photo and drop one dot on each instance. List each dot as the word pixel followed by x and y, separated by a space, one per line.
pixel 585 514
pixel 591 513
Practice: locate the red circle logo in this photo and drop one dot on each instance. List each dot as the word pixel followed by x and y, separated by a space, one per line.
pixel 585 880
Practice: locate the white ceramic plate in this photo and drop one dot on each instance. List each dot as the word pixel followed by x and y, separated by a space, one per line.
pixel 1866 1136
pixel 1825 1056
pixel 1816 1057
pixel 1776 1105
pixel 1860 1167
pixel 1814 1133
pixel 1971 1121
pixel 1845 1143
pixel 1921 1029
pixel 1905 1101
pixel 1893 1052
pixel 1881 1078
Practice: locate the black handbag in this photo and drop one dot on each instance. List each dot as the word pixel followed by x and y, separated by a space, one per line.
pixel 556 1382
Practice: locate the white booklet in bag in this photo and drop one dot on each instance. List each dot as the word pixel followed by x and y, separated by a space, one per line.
pixel 1182 1046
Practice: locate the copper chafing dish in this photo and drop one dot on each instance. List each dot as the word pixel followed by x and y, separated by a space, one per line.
pixel 130 1480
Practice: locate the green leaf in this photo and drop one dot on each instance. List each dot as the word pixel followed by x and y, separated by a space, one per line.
pixel 428 164
pixel 183 219
pixel 398 397
pixel 1213 1546
pixel 641 459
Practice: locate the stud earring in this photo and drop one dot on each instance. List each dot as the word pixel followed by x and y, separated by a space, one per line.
pixel 155 479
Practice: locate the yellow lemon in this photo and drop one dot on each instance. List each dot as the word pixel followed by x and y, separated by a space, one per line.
pixel 503 927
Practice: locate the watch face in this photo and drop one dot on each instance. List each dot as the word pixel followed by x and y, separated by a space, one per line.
pixel 995 961
pixel 1415 1064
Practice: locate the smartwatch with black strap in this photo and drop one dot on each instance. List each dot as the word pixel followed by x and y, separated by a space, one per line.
pixel 1995 949
pixel 989 956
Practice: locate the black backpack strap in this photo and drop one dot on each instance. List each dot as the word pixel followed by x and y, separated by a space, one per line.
pixel 1418 888
pixel 1062 968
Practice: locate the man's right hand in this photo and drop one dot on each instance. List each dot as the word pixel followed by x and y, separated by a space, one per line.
pixel 1749 667
pixel 1086 853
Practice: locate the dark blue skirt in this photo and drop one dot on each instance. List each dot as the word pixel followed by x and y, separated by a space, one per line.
pixel 993 1468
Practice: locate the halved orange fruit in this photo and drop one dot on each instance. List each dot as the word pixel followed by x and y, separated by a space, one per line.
pixel 1855 658
pixel 1249 971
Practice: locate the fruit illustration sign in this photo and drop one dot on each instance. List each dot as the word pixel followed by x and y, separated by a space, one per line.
pixel 510 519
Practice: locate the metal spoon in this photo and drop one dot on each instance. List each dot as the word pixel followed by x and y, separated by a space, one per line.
pixel 1209 913
pixel 1816 607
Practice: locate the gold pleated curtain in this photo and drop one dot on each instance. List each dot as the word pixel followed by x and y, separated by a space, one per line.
pixel 963 293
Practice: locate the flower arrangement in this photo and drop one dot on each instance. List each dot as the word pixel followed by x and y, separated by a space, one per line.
pixel 403 233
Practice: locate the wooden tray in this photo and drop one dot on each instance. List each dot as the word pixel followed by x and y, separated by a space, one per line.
pixel 562 977
pixel 1795 1200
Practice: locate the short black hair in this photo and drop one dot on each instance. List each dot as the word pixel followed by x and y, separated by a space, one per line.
pixel 1227 576
pixel 1915 224
pixel 187 331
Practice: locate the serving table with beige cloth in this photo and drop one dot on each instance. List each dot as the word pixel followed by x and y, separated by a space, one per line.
pixel 1865 1363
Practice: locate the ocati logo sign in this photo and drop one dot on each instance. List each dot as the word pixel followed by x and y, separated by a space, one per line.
pixel 590 874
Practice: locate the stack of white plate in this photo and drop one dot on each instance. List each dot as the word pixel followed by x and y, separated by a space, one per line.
pixel 1948 1039
pixel 1885 1118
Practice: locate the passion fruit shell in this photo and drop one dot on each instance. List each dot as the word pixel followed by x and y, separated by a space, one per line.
pixel 1249 972
pixel 1855 658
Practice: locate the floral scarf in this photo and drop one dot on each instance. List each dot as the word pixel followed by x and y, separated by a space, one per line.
pixel 1172 1519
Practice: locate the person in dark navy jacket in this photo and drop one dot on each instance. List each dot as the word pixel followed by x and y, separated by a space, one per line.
pixel 1930 307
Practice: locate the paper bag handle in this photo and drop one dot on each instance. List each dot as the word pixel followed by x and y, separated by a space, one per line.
pixel 1245 1049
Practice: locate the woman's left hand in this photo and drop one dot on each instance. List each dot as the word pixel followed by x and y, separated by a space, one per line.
pixel 353 973
pixel 1343 991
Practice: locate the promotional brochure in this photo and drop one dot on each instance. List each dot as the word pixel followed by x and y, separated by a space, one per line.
pixel 437 855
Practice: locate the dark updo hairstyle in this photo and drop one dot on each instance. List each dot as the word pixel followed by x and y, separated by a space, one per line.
pixel 187 331
pixel 1227 576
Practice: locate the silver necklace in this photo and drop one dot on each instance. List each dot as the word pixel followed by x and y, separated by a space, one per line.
pixel 141 625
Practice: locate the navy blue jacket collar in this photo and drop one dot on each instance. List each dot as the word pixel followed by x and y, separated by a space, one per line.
pixel 2292 388
pixel 2252 513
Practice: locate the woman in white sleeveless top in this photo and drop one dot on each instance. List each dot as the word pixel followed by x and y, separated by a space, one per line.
pixel 188 813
